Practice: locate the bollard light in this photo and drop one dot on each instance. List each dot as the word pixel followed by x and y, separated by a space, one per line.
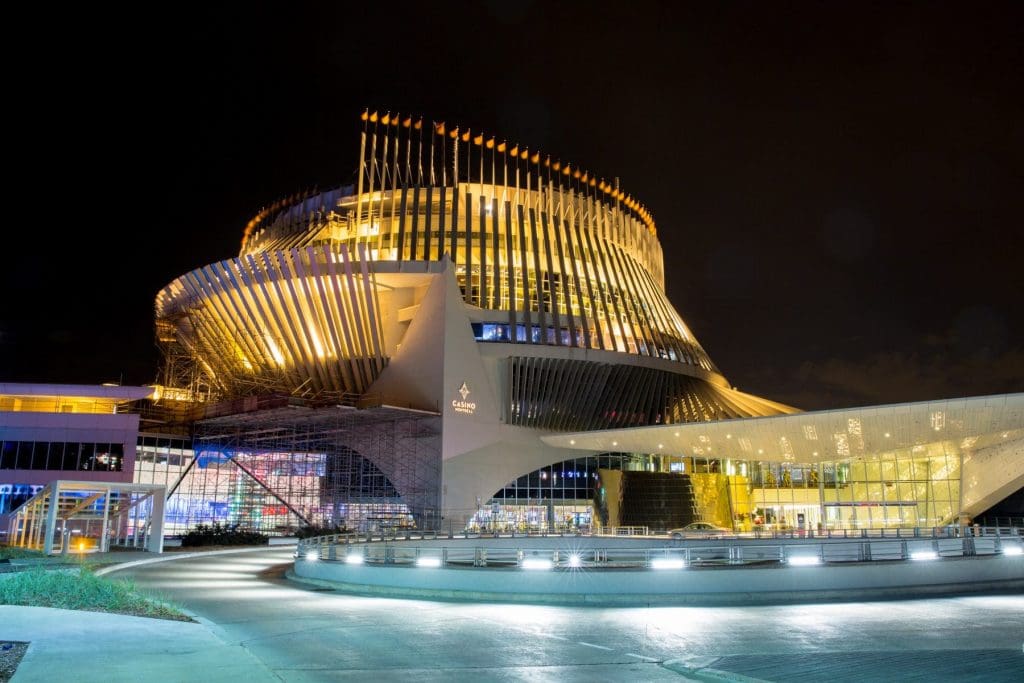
pixel 354 559
pixel 313 555
pixel 574 561
pixel 1013 550
pixel 803 560
pixel 667 563
pixel 428 562
pixel 924 555
pixel 537 563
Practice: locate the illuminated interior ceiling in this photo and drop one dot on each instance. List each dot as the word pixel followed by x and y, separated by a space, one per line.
pixel 967 423
pixel 68 398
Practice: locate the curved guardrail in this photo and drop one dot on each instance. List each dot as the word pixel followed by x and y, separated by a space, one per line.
pixel 377 550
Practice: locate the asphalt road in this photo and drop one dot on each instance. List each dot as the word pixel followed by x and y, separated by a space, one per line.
pixel 307 634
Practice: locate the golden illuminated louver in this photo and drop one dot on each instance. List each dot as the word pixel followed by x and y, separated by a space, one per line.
pixel 310 303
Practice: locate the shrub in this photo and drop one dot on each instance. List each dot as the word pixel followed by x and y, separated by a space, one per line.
pixel 310 531
pixel 8 552
pixel 221 534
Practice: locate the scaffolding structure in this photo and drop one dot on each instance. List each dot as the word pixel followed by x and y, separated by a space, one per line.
pixel 277 469
pixel 180 370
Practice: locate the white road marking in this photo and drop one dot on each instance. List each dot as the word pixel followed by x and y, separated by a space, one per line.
pixel 649 659
pixel 599 647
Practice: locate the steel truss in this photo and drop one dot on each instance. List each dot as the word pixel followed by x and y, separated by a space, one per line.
pixel 277 469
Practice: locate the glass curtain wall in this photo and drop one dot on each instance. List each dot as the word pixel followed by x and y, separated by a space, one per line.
pixel 915 487
pixel 559 496
pixel 267 491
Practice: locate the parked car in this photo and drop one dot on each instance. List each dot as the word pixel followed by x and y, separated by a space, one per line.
pixel 699 530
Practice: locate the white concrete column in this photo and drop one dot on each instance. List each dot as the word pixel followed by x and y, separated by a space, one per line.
pixel 20 520
pixel 155 541
pixel 104 545
pixel 51 517
pixel 136 514
pixel 37 523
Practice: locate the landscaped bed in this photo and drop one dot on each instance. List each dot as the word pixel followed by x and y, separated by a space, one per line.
pixel 80 589
pixel 8 552
pixel 51 584
pixel 11 652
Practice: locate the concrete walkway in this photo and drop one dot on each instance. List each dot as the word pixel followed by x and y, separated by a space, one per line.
pixel 101 648
pixel 95 646
pixel 308 634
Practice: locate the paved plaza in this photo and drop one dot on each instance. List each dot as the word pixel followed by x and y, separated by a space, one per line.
pixel 304 633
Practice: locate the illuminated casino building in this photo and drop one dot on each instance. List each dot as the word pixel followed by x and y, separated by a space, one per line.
pixel 464 297
pixel 476 334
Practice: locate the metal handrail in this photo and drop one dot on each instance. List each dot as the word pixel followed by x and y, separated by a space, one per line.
pixel 898 533
pixel 342 548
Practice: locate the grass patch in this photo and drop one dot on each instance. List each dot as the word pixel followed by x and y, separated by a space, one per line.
pixel 8 552
pixel 81 589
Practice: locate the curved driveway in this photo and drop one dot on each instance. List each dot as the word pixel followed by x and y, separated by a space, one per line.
pixel 303 633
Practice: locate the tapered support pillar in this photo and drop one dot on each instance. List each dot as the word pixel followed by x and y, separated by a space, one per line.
pixel 155 541
pixel 51 518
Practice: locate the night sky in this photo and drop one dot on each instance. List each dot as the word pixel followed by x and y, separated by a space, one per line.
pixel 838 187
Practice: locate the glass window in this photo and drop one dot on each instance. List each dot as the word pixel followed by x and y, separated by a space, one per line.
pixel 24 455
pixel 70 459
pixel 55 456
pixel 106 459
pixel 39 455
pixel 86 452
pixel 8 455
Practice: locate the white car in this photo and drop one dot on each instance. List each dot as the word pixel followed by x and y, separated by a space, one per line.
pixel 699 530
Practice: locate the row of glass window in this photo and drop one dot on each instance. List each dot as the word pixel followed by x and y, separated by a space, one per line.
pixel 164 441
pixel 502 332
pixel 58 455
pixel 570 480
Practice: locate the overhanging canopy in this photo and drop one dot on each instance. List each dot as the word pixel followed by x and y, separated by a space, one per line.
pixel 970 423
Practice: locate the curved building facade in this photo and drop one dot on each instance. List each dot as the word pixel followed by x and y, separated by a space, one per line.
pixel 506 293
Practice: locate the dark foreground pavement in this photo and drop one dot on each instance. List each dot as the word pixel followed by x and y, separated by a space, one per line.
pixel 309 633
pixel 255 625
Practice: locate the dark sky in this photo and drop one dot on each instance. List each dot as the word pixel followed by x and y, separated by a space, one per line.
pixel 838 187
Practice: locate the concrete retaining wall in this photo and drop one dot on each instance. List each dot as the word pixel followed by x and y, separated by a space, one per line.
pixel 694 585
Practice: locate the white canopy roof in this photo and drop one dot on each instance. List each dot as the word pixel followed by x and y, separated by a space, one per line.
pixel 970 423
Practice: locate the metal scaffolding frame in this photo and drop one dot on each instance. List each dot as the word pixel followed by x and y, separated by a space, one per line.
pixel 277 469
